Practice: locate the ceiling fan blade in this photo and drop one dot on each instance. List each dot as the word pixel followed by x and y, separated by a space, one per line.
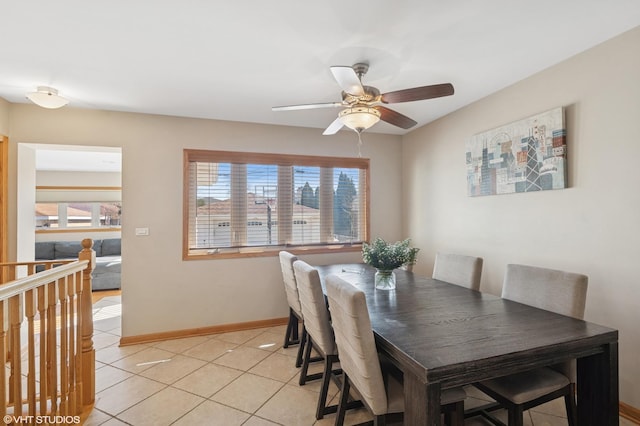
pixel 333 127
pixel 417 93
pixel 395 118
pixel 306 106
pixel 348 80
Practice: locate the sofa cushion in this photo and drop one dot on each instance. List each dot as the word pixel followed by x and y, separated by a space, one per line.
pixel 67 249
pixel 45 250
pixel 106 275
pixel 107 264
pixel 111 246
pixel 97 247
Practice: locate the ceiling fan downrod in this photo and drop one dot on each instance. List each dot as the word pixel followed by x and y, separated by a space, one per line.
pixel 361 69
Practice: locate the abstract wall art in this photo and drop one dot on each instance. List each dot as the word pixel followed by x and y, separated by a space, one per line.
pixel 523 156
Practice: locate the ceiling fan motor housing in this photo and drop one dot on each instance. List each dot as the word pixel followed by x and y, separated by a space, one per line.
pixel 371 95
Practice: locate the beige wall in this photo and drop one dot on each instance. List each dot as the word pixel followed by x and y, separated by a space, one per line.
pixel 160 291
pixel 71 179
pixel 593 227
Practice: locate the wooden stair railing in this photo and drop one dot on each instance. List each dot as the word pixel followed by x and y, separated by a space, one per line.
pixel 46 338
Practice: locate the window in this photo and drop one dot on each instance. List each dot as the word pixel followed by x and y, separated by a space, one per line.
pixel 58 216
pixel 246 204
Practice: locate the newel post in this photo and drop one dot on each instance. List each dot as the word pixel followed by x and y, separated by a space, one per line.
pixel 88 352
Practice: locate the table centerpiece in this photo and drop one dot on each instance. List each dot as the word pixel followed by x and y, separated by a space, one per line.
pixel 386 257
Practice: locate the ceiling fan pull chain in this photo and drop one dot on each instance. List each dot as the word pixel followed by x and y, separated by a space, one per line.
pixel 359 144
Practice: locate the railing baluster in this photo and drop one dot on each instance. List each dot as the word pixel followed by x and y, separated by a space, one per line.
pixel 3 360
pixel 71 292
pixel 64 390
pixel 44 380
pixel 79 343
pixel 15 380
pixel 31 356
pixel 52 360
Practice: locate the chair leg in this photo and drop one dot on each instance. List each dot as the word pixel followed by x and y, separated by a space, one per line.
pixel 570 403
pixel 303 342
pixel 294 331
pixel 304 376
pixel 287 333
pixel 305 361
pixel 322 408
pixel 344 398
pixel 291 335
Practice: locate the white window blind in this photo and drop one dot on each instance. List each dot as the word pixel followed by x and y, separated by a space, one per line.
pixel 239 203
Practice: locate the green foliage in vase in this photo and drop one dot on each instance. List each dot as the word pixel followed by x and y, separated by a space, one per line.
pixel 387 256
pixel 413 256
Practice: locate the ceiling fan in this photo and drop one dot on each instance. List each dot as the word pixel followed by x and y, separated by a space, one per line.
pixel 362 104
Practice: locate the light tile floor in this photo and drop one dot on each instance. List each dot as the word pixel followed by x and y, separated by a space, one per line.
pixel 240 378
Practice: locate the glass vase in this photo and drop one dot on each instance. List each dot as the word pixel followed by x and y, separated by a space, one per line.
pixel 385 279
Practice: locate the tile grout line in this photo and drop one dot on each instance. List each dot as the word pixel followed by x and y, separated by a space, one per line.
pixel 182 377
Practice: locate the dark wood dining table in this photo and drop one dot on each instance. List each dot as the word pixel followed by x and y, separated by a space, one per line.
pixel 442 335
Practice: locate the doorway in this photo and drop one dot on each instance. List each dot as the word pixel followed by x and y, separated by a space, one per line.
pixel 75 192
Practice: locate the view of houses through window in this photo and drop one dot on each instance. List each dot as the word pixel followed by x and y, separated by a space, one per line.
pixel 274 203
pixel 78 215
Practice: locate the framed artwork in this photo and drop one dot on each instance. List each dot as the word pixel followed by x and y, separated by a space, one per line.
pixel 523 156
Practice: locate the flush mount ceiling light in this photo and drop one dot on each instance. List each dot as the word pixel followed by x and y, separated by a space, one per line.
pixel 359 118
pixel 47 97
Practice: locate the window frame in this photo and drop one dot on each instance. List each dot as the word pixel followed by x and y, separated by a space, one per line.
pixel 199 155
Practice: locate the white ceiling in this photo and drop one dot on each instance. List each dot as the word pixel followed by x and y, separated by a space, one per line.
pixel 235 60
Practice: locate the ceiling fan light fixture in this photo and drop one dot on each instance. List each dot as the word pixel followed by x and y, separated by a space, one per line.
pixel 47 97
pixel 359 118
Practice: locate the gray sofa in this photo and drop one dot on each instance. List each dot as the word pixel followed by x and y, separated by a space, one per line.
pixel 106 275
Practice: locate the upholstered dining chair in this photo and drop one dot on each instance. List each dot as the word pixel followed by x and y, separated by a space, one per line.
pixel 295 311
pixel 458 269
pixel 561 292
pixel 361 364
pixel 319 331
